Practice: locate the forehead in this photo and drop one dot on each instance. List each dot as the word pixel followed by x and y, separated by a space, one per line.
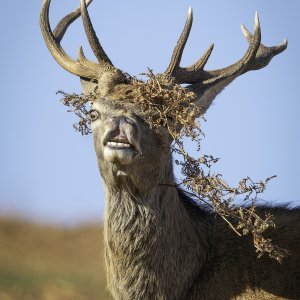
pixel 107 105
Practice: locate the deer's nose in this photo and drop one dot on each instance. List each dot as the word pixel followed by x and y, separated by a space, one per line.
pixel 118 121
pixel 118 126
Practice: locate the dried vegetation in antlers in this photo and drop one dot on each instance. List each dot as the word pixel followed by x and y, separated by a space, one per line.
pixel 163 103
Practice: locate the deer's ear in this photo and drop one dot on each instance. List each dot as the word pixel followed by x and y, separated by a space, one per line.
pixel 88 86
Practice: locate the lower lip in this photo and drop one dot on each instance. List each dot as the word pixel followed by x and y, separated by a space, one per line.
pixel 119 147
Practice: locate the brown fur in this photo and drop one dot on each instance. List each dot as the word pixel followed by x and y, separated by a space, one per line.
pixel 160 245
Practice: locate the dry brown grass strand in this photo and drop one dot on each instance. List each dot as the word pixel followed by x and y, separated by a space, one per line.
pixel 164 104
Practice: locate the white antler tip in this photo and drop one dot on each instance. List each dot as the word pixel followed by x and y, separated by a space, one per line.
pixel 285 42
pixel 256 19
pixel 244 30
pixel 190 11
pixel 246 33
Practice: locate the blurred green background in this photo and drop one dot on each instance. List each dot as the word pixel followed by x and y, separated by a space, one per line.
pixel 42 262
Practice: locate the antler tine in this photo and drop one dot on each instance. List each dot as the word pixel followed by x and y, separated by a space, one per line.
pixel 256 57
pixel 91 35
pixel 264 54
pixel 280 48
pixel 195 73
pixel 246 61
pixel 82 68
pixel 63 25
pixel 200 64
pixel 178 50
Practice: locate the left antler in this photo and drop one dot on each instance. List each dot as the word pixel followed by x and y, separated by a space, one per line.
pixel 207 84
pixel 81 67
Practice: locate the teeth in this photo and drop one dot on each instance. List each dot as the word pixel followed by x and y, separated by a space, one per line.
pixel 118 144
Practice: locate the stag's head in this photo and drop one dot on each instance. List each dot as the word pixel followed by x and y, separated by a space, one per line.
pixel 124 143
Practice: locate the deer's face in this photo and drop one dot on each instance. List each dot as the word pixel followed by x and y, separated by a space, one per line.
pixel 121 137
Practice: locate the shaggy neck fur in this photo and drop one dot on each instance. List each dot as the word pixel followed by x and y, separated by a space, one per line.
pixel 158 245
pixel 148 239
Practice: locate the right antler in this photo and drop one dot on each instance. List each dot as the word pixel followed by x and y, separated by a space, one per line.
pixel 82 67
pixel 207 84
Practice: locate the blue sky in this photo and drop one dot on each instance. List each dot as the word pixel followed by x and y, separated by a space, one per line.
pixel 49 172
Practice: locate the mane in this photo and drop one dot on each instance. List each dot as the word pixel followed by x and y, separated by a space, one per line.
pixel 202 211
pixel 192 205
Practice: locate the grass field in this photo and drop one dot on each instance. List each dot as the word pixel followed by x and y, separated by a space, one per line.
pixel 39 262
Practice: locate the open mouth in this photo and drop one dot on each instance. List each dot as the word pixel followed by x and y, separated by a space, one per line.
pixel 120 148
pixel 119 151
pixel 119 144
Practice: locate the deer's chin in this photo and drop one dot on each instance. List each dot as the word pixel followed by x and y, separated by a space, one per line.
pixel 122 156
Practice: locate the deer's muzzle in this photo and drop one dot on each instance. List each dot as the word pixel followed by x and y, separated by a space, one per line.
pixel 121 141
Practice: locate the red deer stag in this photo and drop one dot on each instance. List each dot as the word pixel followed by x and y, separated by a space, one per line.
pixel 158 244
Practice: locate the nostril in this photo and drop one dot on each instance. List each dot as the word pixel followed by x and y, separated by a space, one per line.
pixel 130 121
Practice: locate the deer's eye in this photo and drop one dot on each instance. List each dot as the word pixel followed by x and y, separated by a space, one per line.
pixel 93 114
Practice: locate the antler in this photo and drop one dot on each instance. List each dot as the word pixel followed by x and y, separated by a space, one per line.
pixel 64 23
pixel 207 84
pixel 81 67
pixel 91 35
